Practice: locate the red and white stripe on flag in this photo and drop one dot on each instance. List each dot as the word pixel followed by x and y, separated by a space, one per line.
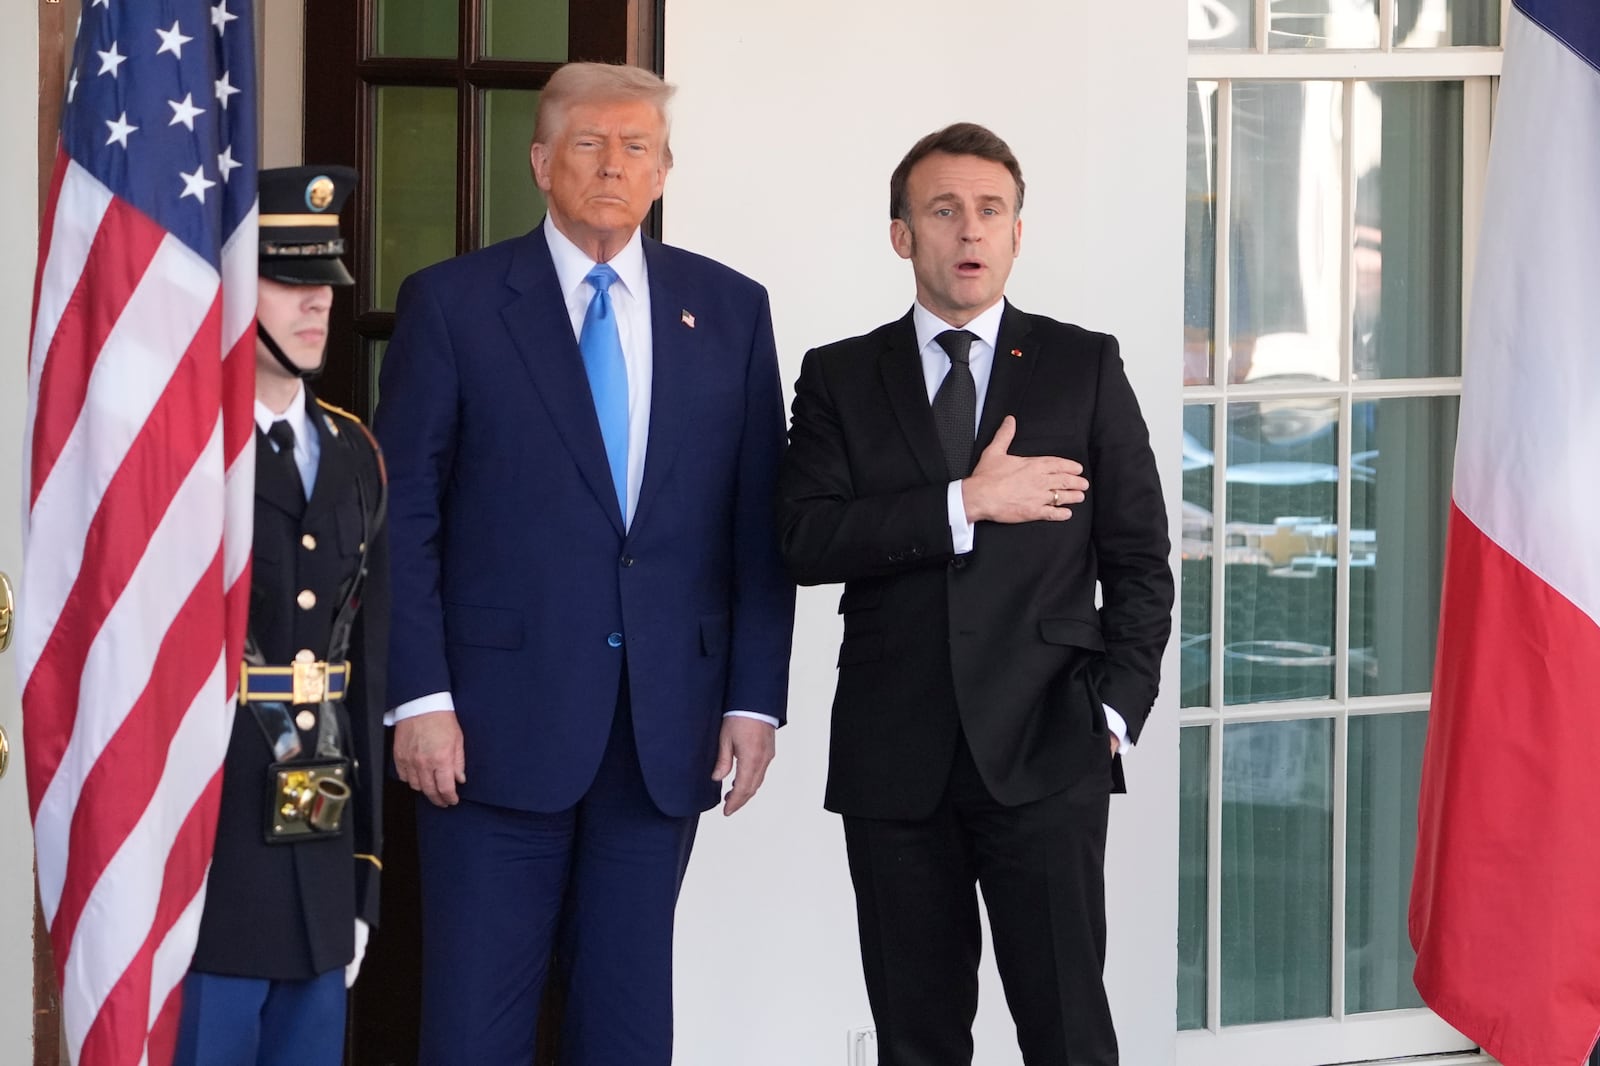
pixel 1505 902
pixel 138 474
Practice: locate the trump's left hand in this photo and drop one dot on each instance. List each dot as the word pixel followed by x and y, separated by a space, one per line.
pixel 750 744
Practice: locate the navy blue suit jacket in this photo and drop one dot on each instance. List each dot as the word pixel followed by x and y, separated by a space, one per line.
pixel 512 571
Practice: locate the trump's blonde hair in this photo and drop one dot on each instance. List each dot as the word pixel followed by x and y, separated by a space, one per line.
pixel 601 83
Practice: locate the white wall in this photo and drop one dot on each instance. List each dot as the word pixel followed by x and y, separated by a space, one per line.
pixel 789 120
pixel 19 175
pixel 280 44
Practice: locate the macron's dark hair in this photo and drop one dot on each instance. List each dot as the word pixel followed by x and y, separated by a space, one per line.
pixel 963 138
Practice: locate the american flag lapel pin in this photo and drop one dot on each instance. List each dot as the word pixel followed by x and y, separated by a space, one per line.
pixel 688 320
pixel 1017 352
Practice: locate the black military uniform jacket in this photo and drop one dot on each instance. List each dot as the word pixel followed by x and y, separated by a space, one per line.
pixel 287 911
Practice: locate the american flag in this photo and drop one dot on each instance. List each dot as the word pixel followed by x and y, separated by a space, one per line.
pixel 138 469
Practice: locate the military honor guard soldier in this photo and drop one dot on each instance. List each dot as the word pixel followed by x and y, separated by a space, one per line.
pixel 293 888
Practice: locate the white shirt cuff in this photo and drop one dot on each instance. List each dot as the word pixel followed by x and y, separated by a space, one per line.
pixel 956 510
pixel 1118 727
pixel 767 718
pixel 437 701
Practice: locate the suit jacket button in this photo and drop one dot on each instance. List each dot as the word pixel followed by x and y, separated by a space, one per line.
pixel 627 560
pixel 615 640
pixel 308 542
pixel 307 599
pixel 958 563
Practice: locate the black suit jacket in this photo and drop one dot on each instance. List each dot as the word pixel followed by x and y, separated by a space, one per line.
pixel 1004 644
pixel 288 911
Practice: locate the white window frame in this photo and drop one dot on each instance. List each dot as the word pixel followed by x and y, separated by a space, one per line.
pixel 1340 1038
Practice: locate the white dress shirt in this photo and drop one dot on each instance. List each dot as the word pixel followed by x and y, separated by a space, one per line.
pixel 307 445
pixel 630 300
pixel 935 365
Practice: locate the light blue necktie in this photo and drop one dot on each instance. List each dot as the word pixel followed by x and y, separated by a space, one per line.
pixel 608 377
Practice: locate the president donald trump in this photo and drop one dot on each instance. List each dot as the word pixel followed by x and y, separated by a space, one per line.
pixel 591 626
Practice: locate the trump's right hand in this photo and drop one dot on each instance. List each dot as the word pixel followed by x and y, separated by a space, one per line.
pixel 430 757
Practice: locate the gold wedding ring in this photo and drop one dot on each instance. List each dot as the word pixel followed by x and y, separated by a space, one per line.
pixel 1055 498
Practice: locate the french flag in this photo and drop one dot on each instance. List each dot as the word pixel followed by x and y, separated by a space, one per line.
pixel 1505 902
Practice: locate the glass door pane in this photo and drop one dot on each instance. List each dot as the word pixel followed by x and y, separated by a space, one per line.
pixel 1194 615
pixel 1200 237
pixel 534 30
pixel 1282 550
pixel 1322 24
pixel 1277 870
pixel 1381 824
pixel 1221 24
pixel 417 28
pixel 512 203
pixel 414 196
pixel 1194 851
pixel 1406 138
pixel 1402 456
pixel 375 350
pixel 1288 210
pixel 1442 23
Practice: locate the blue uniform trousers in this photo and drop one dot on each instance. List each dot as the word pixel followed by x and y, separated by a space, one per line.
pixel 252 1021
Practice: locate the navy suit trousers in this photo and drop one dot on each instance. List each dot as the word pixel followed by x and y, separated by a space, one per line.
pixel 597 882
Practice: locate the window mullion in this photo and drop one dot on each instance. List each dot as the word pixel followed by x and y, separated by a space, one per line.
pixel 1221 372
pixel 1347 297
pixel 1341 762
pixel 1214 878
pixel 1477 115
pixel 1342 522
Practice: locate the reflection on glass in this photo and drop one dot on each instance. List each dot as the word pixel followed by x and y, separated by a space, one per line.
pixel 1280 550
pixel 1322 24
pixel 1442 23
pixel 1277 870
pixel 1406 139
pixel 1287 202
pixel 417 28
pixel 1402 455
pixel 1200 236
pixel 526 29
pixel 1194 802
pixel 1218 24
pixel 1194 610
pixel 1381 812
pixel 415 184
pixel 512 203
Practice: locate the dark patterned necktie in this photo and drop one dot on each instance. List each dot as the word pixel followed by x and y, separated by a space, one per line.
pixel 955 405
pixel 281 433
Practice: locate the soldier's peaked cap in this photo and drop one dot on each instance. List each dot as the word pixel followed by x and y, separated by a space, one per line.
pixel 300 241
